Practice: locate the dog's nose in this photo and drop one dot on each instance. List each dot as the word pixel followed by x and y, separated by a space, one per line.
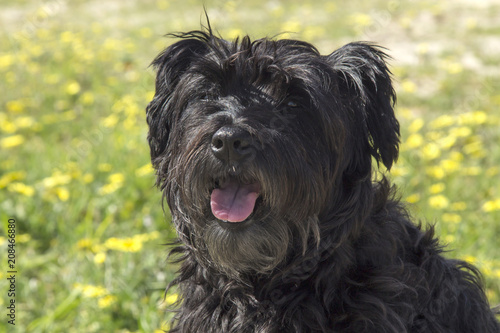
pixel 230 143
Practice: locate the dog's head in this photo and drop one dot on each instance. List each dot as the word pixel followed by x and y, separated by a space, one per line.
pixel 255 141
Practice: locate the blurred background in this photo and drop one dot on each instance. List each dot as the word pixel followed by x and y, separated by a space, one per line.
pixel 74 161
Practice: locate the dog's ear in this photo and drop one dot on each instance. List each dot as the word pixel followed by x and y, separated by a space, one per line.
pixel 170 65
pixel 365 84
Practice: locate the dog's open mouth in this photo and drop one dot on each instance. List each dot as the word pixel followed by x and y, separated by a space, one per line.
pixel 233 201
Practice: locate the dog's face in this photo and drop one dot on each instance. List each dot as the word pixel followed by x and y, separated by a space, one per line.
pixel 257 143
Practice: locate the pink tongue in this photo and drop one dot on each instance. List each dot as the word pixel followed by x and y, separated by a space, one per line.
pixel 234 202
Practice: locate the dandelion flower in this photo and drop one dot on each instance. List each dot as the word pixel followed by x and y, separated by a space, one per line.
pixel 12 141
pixel 439 201
pixel 99 258
pixel 106 301
pixel 451 218
pixel 144 170
pixel 91 291
pixel 56 180
pixel 492 205
pixel 416 125
pixel 88 178
pixel 437 188
pixel 442 121
pixel 62 193
pixel 431 151
pixel 21 188
pixel 11 177
pixel 414 141
pixel 6 60
pixel 73 88
pixel 408 86
pixel 413 198
pixel 171 299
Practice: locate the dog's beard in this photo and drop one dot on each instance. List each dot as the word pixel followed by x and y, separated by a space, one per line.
pixel 277 224
pixel 258 248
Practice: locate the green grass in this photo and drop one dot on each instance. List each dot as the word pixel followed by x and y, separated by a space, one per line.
pixel 74 161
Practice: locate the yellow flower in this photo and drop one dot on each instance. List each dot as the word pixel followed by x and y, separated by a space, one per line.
pixel 449 165
pixel 85 243
pixel 360 20
pixel 12 141
pixel 473 118
pixel 416 125
pixel 91 291
pixel 431 151
pixel 436 172
pixel 456 156
pixel 398 171
pixel 449 239
pixel 442 121
pixel 474 148
pixel 7 126
pixel 62 193
pixel 414 140
pixel 10 177
pixel 461 131
pixel 88 178
pixel 106 301
pixel 109 188
pixel 492 205
pixel 447 142
pixel 16 106
pixel 451 218
pixel 437 188
pixel 408 86
pixel 73 88
pixel 144 170
pixel 22 189
pixel 110 121
pixel 56 179
pixel 116 178
pixel 125 245
pixel 413 198
pixel 470 259
pixel 439 201
pixel 233 33
pixel 99 258
pixel 291 26
pixel 6 60
pixel 171 299
pixel 87 98
pixel 67 36
pixel 24 122
pixel 452 67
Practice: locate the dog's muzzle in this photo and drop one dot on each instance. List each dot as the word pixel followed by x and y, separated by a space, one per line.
pixel 232 200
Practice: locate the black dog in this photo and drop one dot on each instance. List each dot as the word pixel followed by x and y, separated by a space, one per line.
pixel 264 152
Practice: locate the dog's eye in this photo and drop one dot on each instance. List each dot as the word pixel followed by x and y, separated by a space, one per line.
pixel 292 104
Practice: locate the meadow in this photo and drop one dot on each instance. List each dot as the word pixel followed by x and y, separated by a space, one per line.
pixel 75 173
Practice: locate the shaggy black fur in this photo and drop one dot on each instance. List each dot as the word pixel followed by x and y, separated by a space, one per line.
pixel 326 248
